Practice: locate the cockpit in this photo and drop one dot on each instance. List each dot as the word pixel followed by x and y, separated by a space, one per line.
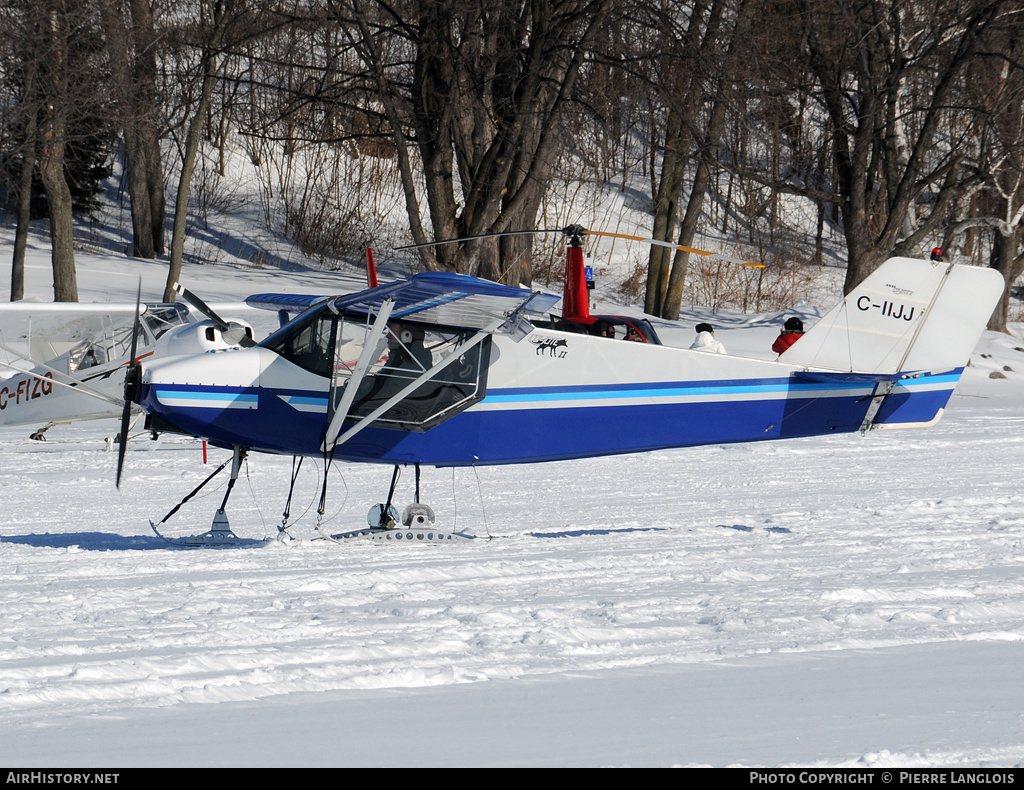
pixel 330 344
pixel 616 327
pixel 114 341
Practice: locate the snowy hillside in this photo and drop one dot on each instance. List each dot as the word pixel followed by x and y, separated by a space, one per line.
pixel 839 601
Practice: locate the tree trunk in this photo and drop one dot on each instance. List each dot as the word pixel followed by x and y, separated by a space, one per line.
pixel 28 166
pixel 211 66
pixel 682 129
pixel 126 110
pixel 1005 260
pixel 687 232
pixel 188 164
pixel 58 195
pixel 52 141
pixel 145 73
pixel 665 209
pixel 695 206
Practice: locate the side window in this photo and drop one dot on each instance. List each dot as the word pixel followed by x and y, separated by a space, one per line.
pixel 308 343
pixel 332 345
pixel 411 350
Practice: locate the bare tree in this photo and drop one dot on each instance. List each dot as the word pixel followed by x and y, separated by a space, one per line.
pixel 719 90
pixel 130 43
pixel 995 92
pixel 684 35
pixel 28 105
pixel 212 30
pixel 885 73
pixel 480 88
pixel 148 124
pixel 56 29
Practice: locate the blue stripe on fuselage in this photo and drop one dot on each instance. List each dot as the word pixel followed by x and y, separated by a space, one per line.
pixel 726 388
pixel 710 413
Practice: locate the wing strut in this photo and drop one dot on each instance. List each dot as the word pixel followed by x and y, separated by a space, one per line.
pixel 366 359
pixel 76 385
pixel 882 390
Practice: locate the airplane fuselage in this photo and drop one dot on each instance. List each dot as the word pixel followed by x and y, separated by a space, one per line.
pixel 552 396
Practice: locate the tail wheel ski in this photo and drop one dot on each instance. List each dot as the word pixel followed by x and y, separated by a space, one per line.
pixel 40 435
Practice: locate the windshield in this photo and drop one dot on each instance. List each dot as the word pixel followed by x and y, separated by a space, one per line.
pixel 308 341
pixel 159 318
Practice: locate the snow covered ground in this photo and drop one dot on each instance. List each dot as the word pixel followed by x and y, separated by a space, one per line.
pixel 837 601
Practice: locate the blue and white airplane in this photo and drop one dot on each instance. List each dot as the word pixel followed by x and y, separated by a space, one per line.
pixel 449 370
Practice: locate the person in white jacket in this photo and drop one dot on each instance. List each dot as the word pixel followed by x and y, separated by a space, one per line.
pixel 706 340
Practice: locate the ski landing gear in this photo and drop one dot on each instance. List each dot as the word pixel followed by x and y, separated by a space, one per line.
pixel 416 526
pixel 220 533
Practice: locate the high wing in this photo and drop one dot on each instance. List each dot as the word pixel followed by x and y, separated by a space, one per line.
pixel 45 331
pixel 440 298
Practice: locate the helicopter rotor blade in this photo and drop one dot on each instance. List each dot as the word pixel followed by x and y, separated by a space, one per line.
pixel 670 245
pixel 462 239
pixel 575 230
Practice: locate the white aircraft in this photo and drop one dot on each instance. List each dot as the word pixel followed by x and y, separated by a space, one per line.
pixel 63 362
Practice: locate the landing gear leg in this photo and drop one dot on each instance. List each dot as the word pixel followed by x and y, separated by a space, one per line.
pixel 282 530
pixel 385 516
pixel 417 514
pixel 220 533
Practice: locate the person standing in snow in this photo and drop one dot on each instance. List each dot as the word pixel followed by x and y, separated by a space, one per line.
pixel 706 340
pixel 791 332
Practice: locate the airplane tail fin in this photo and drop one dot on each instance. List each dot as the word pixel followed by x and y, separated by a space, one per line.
pixel 911 327
pixel 909 315
pixel 371 269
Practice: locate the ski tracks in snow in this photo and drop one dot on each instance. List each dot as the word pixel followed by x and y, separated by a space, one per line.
pixel 673 557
